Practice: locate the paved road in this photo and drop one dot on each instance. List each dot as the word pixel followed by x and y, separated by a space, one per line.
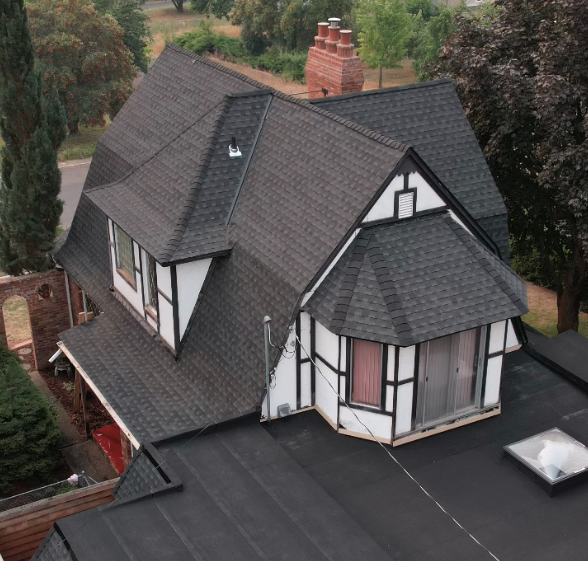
pixel 73 175
pixel 156 5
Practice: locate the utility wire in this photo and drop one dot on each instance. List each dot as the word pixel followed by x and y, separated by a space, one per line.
pixel 396 461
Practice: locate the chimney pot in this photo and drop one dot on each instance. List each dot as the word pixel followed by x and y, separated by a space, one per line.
pixel 323 29
pixel 334 34
pixel 345 37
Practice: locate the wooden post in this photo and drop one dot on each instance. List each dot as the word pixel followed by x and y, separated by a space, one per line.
pixel 84 391
pixel 77 392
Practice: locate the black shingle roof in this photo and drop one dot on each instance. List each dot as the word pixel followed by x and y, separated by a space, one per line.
pixel 307 184
pixel 429 117
pixel 243 499
pixel 414 280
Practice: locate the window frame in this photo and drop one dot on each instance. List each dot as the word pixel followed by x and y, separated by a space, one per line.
pixel 151 298
pixel 359 404
pixel 128 276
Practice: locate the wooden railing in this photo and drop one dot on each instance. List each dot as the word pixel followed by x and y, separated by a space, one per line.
pixel 23 529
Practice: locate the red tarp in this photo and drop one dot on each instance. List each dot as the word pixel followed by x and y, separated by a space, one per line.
pixel 108 438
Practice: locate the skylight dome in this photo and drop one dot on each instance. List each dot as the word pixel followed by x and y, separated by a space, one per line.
pixel 555 457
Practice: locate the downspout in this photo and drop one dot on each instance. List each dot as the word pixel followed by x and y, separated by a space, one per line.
pixel 266 337
pixel 85 306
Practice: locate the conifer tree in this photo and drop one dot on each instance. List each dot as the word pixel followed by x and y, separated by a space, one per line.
pixel 32 128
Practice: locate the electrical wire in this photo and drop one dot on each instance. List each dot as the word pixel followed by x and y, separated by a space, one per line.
pixel 396 461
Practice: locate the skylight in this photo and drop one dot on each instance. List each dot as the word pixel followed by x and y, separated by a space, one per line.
pixel 553 458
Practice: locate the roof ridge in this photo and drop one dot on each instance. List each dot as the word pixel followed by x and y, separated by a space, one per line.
pixel 373 135
pixel 415 85
pixel 200 176
pixel 217 65
pixel 387 286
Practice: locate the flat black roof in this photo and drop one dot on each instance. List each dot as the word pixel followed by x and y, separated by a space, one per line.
pixel 465 470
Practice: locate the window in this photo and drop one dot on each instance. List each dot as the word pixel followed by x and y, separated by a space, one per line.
pixel 366 383
pixel 124 255
pixel 150 283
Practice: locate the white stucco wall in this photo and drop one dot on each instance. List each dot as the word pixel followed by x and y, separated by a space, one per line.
pixel 497 337
pixel 284 390
pixel 384 206
pixel 427 198
pixel 326 344
pixel 166 321
pixel 493 376
pixel 325 397
pixel 404 408
pixel 406 360
pixel 191 277
pixel 164 280
pixel 379 425
pixel 512 341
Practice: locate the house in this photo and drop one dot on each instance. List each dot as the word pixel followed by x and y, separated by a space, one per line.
pixel 366 225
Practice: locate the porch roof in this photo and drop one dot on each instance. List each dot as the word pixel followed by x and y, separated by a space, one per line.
pixel 414 280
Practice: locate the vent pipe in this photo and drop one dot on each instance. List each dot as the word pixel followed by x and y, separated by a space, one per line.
pixel 234 151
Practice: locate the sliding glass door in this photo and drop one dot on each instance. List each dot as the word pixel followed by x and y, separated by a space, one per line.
pixel 449 376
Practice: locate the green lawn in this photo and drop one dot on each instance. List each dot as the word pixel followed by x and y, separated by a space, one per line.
pixel 81 145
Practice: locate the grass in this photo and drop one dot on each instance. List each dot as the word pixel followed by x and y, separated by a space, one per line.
pixel 83 144
pixel 542 314
pixel 16 321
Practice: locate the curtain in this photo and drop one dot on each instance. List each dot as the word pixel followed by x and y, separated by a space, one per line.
pixel 367 373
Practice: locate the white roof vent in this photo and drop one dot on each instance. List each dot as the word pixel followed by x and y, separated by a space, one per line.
pixel 234 151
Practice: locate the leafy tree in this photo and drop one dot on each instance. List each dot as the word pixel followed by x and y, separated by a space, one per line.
pixel 218 8
pixel 135 25
pixel 426 8
pixel 290 24
pixel 29 435
pixel 386 28
pixel 522 75
pixel 32 129
pixel 82 54
pixel 430 38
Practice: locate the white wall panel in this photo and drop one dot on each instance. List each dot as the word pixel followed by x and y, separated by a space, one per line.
pixel 343 360
pixel 427 198
pixel 326 344
pixel 389 398
pixel 305 332
pixel 406 363
pixel 305 391
pixel 284 390
pixel 137 252
pixel 454 216
pixel 134 296
pixel 497 337
pixel 166 321
pixel 384 206
pixel 512 341
pixel 379 425
pixel 493 375
pixel 164 280
pixel 190 277
pixel 325 397
pixel 391 363
pixel 404 408
pixel 151 322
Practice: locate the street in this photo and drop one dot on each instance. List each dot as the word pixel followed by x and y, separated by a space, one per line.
pixel 73 175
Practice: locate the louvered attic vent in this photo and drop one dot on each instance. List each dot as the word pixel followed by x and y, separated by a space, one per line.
pixel 405 205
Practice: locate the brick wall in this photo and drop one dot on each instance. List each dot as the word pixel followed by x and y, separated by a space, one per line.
pixel 48 309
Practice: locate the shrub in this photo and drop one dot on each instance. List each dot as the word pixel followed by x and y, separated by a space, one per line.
pixel 289 65
pixel 29 435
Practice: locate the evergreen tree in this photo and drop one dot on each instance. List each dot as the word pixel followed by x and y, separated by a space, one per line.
pixel 32 129
pixel 29 434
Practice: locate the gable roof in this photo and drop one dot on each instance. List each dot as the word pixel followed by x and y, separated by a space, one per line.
pixel 309 180
pixel 429 117
pixel 243 498
pixel 414 280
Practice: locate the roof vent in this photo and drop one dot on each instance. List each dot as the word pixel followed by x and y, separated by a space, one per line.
pixel 335 22
pixel 234 151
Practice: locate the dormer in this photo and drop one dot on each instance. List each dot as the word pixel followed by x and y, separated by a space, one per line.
pixel 164 296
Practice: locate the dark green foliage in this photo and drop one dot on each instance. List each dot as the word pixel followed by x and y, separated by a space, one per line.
pixel 135 25
pixel 289 24
pixel 29 435
pixel 290 65
pixel 218 8
pixel 426 8
pixel 32 129
pixel 522 75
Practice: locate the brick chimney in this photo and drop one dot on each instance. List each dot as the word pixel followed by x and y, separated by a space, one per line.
pixel 332 68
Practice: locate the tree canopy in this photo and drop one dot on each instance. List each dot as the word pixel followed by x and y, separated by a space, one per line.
pixel 29 434
pixel 135 25
pixel 522 75
pixel 386 29
pixel 32 129
pixel 82 54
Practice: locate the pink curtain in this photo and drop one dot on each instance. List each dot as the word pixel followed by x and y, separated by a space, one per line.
pixel 367 372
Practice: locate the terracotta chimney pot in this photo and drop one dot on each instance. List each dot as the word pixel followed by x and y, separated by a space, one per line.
pixel 323 30
pixel 346 37
pixel 334 34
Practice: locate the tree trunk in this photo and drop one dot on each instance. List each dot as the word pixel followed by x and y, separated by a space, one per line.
pixel 179 4
pixel 72 126
pixel 569 297
pixel 380 80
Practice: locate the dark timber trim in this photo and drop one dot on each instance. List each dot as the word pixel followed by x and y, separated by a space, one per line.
pixel 312 366
pixel 298 364
pixel 485 370
pixel 395 399
pixel 176 310
pixel 383 377
pixel 164 295
pixel 417 364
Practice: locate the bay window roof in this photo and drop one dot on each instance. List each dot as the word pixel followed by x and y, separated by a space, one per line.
pixel 414 280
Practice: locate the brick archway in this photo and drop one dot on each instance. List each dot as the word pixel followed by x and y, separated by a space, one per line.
pixel 48 309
